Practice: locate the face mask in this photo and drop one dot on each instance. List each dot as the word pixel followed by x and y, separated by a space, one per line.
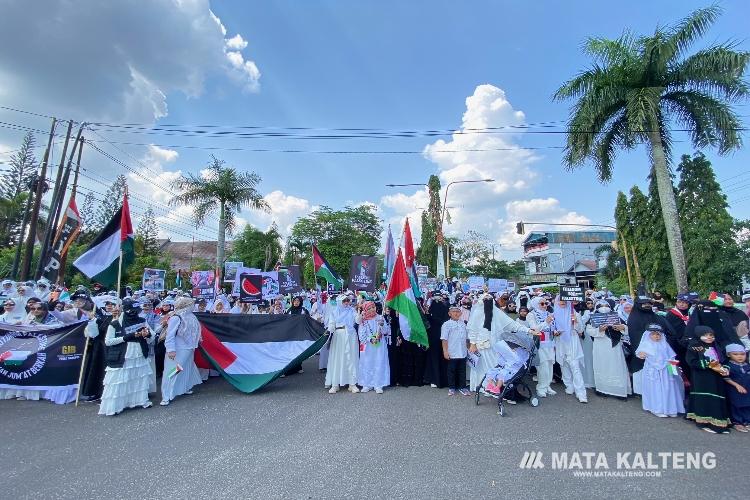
pixel 647 308
pixel 707 339
pixel 604 310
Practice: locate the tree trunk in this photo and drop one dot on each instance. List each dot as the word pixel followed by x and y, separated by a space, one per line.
pixel 669 210
pixel 220 250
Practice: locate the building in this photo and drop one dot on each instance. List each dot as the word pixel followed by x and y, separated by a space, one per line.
pixel 184 254
pixel 550 254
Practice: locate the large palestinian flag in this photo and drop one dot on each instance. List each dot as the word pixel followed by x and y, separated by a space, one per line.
pixel 101 261
pixel 252 350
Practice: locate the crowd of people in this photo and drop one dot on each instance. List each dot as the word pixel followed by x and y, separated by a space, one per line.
pixel 689 360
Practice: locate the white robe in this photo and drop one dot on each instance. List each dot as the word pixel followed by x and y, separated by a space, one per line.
pixel 484 339
pixel 663 393
pixel 374 370
pixel 610 369
pixel 343 359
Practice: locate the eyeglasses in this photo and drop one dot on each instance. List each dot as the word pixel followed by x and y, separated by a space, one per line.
pixel 10 305
pixel 35 308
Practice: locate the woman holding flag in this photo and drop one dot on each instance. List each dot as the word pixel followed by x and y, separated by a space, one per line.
pixel 183 335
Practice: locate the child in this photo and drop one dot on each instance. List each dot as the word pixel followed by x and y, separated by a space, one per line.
pixel 512 353
pixel 454 337
pixel 708 406
pixel 739 386
pixel 663 390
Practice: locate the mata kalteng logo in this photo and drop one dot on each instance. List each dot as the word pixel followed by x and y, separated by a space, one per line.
pixel 621 461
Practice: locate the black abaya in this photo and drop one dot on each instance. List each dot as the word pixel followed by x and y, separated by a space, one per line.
pixel 436 367
pixel 93 376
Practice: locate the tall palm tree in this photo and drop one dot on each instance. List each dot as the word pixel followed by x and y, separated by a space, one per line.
pixel 219 188
pixel 637 87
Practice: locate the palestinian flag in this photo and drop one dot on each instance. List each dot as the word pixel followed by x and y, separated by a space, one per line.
pixel 401 299
pixel 252 350
pixel 324 269
pixel 101 261
pixel 410 259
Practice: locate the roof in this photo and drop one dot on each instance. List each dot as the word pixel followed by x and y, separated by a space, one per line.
pixel 589 264
pixel 536 237
pixel 184 253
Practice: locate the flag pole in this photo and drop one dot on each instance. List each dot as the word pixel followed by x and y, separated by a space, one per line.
pixel 119 273
pixel 83 364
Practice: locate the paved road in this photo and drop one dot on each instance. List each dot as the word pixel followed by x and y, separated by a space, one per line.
pixel 294 440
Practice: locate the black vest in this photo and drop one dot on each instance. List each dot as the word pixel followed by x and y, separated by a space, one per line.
pixel 115 354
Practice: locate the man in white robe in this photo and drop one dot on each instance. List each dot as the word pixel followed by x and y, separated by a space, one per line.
pixel 486 325
pixel 343 358
pixel 568 348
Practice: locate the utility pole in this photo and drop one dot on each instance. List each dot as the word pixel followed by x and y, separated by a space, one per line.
pixel 41 182
pixel 58 194
pixel 73 191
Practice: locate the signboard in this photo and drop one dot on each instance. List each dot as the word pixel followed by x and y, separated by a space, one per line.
pixel 497 285
pixel 203 284
pixel 476 283
pixel 570 293
pixel 242 270
pixel 230 271
pixel 290 280
pixel 511 285
pixel 270 284
pixel 599 319
pixel 251 286
pixel 153 279
pixel 362 273
pixel 423 270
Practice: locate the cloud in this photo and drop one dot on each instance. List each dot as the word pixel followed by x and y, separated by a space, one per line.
pixel 115 61
pixel 489 208
pixel 285 210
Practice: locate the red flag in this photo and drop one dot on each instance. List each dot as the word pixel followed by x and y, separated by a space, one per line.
pixel 126 225
pixel 408 246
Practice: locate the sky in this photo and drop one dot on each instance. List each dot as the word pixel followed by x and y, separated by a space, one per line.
pixel 193 74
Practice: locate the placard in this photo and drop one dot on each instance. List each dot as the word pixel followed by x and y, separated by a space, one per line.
pixel 599 319
pixel 571 293
pixel 290 280
pixel 362 273
pixel 203 284
pixel 270 284
pixel 153 279
pixel 251 286
pixel 476 283
pixel 230 271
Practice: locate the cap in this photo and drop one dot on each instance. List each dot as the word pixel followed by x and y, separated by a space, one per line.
pixel 685 297
pixel 745 297
pixel 735 348
pixel 655 327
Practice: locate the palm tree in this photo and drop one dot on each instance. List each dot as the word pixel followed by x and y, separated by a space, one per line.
pixel 637 87
pixel 223 189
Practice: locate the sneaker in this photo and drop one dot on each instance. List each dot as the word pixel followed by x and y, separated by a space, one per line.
pixel 535 378
pixel 570 391
pixel 164 403
pixel 378 390
pixel 509 401
pixel 583 400
pixel 464 392
pixel 189 393
pixel 433 386
pixel 353 389
pixel 709 430
pixel 366 389
pixel 451 392
pixel 660 415
pixel 541 394
pixel 492 387
pixel 333 390
pixel 741 428
pixel 551 392
pixel 148 405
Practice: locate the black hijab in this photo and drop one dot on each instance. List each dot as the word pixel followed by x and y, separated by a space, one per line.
pixel 706 313
pixel 489 306
pixel 640 317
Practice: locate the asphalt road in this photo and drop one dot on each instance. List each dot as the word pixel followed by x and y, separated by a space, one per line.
pixel 294 440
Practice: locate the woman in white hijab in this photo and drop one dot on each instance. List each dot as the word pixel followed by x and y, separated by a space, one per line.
pixel 568 348
pixel 541 320
pixel 611 377
pixel 486 326
pixel 13 314
pixel 183 335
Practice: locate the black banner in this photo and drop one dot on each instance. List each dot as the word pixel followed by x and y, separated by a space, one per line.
pixel 251 286
pixel 289 280
pixel 69 228
pixel 362 273
pixel 40 358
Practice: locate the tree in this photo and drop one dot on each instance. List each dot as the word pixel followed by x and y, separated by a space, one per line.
pixel 110 204
pixel 427 253
pixel 637 87
pixel 713 253
pixel 339 234
pixel 22 169
pixel 148 232
pixel 258 249
pixel 221 189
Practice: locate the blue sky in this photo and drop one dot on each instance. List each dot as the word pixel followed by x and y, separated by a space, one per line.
pixel 389 65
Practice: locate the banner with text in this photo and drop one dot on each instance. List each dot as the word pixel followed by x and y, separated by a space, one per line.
pixel 203 284
pixel 290 280
pixel 362 273
pixel 270 284
pixel 251 286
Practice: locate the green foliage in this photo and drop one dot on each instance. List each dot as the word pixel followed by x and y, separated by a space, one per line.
pixel 148 233
pixel 431 222
pixel 339 234
pixel 145 259
pixel 474 252
pixel 258 249
pixel 110 204
pixel 22 169
pixel 709 231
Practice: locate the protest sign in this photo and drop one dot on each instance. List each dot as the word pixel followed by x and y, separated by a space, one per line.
pixel 362 273
pixel 270 284
pixel 570 293
pixel 153 279
pixel 251 286
pixel 476 283
pixel 203 284
pixel 230 271
pixel 599 319
pixel 290 280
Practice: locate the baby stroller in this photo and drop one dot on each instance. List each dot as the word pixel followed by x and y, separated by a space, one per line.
pixel 517 382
